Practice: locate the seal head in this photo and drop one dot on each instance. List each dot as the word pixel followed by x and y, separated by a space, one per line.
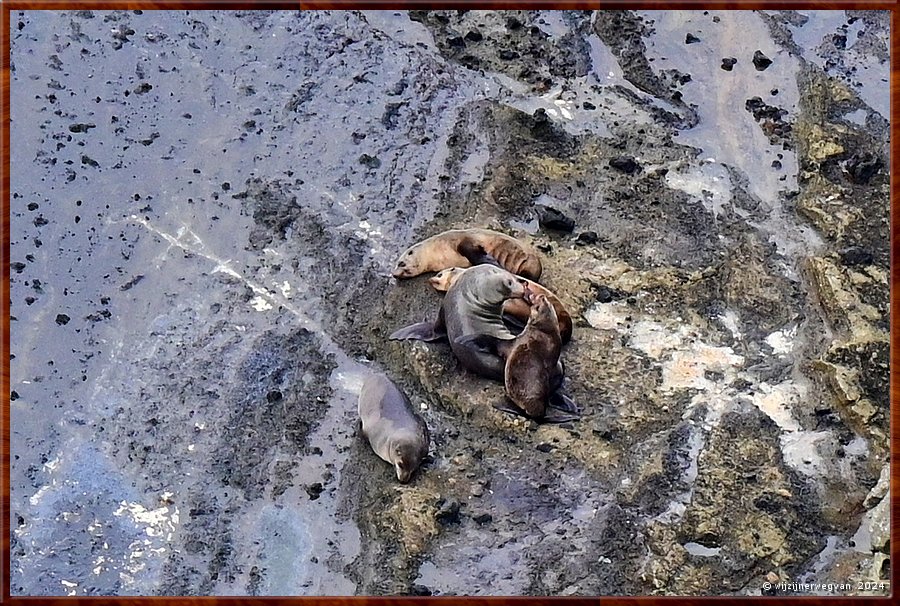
pixel 407 453
pixel 444 279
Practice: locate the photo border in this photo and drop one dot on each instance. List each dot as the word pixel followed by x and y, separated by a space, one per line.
pixel 9 6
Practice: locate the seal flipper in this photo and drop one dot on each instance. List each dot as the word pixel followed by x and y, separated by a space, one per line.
pixel 420 331
pixel 423 331
pixel 562 402
pixel 476 254
pixel 555 415
pixel 483 343
pixel 513 323
pixel 551 415
pixel 486 344
pixel 506 405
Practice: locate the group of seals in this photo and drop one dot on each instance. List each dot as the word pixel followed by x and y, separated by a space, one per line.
pixel 490 280
pixel 475 311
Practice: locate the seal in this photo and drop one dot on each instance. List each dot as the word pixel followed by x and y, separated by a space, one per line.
pixel 516 308
pixel 532 374
pixel 465 248
pixel 472 306
pixel 394 430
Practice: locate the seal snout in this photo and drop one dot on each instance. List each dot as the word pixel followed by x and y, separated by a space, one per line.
pixel 527 293
pixel 399 270
pixel 403 475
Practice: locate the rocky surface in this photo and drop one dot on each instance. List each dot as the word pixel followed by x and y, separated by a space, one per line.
pixel 205 210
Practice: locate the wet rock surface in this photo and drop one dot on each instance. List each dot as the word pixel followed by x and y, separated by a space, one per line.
pixel 205 209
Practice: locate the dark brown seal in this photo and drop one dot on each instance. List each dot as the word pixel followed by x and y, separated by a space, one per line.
pixel 396 433
pixel 467 247
pixel 532 370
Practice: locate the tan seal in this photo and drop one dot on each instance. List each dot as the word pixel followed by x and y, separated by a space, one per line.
pixel 467 247
pixel 394 431
pixel 516 308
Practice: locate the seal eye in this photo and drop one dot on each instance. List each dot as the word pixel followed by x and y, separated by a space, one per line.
pixel 401 264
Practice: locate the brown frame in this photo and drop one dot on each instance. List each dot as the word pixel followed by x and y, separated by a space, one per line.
pixel 11 5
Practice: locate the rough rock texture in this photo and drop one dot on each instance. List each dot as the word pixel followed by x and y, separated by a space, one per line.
pixel 205 209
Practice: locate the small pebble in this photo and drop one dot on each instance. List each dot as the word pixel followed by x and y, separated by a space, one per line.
pixel 760 61
pixel 626 164
pixel 448 512
pixel 587 237
pixel 856 256
pixel 550 218
pixel 314 490
pixel 483 518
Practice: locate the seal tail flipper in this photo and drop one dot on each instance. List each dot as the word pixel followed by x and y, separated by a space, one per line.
pixel 420 331
pixel 556 378
pixel 506 405
pixel 561 401
pixel 476 254
pixel 555 415
pixel 551 415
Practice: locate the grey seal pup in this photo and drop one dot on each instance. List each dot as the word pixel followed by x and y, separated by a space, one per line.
pixel 394 431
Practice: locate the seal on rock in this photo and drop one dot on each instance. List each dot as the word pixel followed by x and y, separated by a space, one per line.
pixel 516 308
pixel 467 247
pixel 394 431
pixel 472 306
pixel 532 365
